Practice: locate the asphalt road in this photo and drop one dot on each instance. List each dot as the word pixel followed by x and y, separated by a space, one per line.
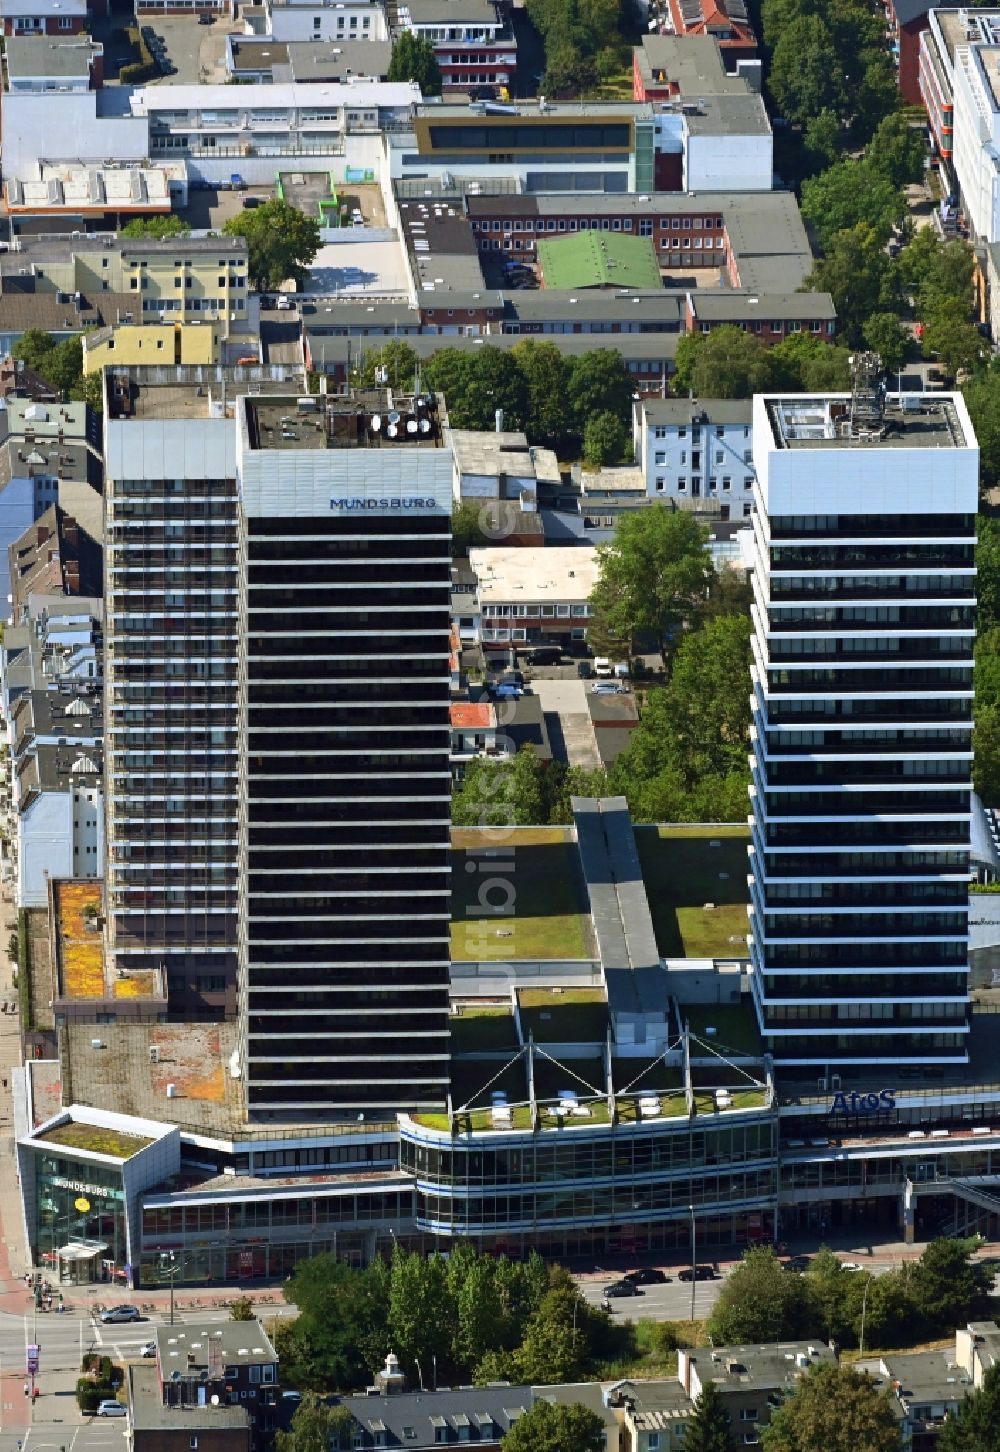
pixel 671 1302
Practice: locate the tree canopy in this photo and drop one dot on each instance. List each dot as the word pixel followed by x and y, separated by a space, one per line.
pixel 709 1429
pixel 556 1427
pixel 760 1301
pixel 835 1409
pixel 317 1426
pixel 281 242
pixel 653 575
pixel 156 227
pixel 60 364
pixel 975 1426
pixel 413 59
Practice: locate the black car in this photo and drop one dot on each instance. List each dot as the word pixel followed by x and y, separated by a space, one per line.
pixel 647 1275
pixel 204 19
pixel 698 1273
pixel 543 655
pixel 621 1288
pixel 798 1262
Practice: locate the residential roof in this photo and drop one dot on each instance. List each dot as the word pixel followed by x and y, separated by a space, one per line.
pixel 314 61
pixel 20 311
pixel 634 347
pixel 907 11
pixel 50 55
pixel 527 575
pixel 523 724
pixel 682 411
pixel 472 715
pixel 425 1419
pixel 56 8
pixel 650 306
pixel 150 1415
pixel 491 454
pixel 755 1368
pixel 732 306
pixel 256 53
pixel 188 1348
pixel 692 63
pixel 453 12
pixel 599 259
pixel 927 1376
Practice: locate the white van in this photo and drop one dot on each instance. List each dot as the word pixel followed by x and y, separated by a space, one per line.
pixel 602 666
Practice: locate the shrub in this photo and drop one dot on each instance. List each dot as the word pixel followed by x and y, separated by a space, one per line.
pixel 90 1394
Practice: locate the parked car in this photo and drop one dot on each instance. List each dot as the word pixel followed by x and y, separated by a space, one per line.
pixel 608 688
pixel 698 1273
pixel 250 202
pixel 111 1409
pixel 542 655
pixel 621 1288
pixel 204 19
pixel 116 1315
pixel 507 691
pixel 149 1349
pixel 798 1262
pixel 647 1275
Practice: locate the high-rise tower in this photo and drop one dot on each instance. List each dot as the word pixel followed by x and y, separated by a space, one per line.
pixel 864 626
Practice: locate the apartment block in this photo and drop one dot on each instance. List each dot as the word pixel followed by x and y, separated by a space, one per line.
pixel 473 40
pixel 864 630
pixel 696 453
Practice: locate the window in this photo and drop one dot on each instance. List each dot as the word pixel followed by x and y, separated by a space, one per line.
pixel 661 457
pixel 660 484
pixel 747 510
pixel 748 1414
pixel 652 1441
pixel 727 482
pixel 682 485
pixel 193 1442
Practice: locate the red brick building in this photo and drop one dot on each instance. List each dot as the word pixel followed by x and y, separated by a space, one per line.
pixel 43 17
pixel 907 19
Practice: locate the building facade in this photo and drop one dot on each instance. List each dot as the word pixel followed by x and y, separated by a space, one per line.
pixel 696 453
pixel 864 627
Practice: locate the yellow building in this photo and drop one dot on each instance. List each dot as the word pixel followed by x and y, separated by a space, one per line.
pixel 178 279
pixel 131 344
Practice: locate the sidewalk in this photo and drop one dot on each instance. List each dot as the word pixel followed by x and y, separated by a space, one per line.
pixel 14 1294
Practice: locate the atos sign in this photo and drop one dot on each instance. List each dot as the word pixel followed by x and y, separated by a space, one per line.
pixel 863 1103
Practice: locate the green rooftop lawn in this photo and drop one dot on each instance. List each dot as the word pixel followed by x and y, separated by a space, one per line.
pixel 539 876
pixel 735 1025
pixel 574 1016
pixel 98 1140
pixel 681 873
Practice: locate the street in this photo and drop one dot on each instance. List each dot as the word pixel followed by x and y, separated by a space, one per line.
pixel 671 1302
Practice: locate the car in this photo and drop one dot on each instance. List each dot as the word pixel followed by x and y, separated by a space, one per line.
pixel 111 1408
pixel 291 1397
pixel 698 1273
pixel 115 1315
pixel 621 1288
pixel 149 1349
pixel 507 691
pixel 798 1262
pixel 204 19
pixel 608 688
pixel 250 202
pixel 543 655
pixel 850 1265
pixel 647 1275
pixel 284 303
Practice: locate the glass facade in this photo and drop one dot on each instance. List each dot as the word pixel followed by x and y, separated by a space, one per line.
pixel 79 1202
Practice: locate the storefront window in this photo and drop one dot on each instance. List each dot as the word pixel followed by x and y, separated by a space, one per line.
pixel 80 1220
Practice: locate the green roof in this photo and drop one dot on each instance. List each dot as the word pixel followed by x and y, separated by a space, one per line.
pixel 599 259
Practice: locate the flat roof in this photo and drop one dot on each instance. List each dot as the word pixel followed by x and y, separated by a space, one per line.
pixel 313 61
pixel 491 454
pixel 759 1367
pixel 989 59
pixel 529 110
pixel 441 246
pixel 373 419
pixel 50 55
pixel 385 95
pixel 254 53
pixel 682 411
pixel 692 63
pixel 454 12
pixel 927 1376
pixel 728 115
pixel 535 573
pixel 180 1348
pixel 728 305
pixel 150 1415
pixel 193 392
pixel 599 259
pixel 822 422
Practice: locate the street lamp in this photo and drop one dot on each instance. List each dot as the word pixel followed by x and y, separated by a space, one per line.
pixel 694 1271
pixel 169 1267
pixel 864 1303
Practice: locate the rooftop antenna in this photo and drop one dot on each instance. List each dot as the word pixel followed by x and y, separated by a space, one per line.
pixel 867 417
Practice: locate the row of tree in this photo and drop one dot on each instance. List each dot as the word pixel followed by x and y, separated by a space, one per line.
pixel 467 1317
pixel 557 400
pixel 763 1301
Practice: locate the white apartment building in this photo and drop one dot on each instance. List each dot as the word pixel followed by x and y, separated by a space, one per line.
pixel 864 629
pixel 291 20
pixel 697 453
pixel 533 595
pixel 977 134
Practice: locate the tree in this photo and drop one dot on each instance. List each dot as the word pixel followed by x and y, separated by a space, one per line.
pixel 451 372
pixel 545 372
pixel 938 274
pixel 654 574
pixel 982 395
pixel 604 439
pixel 975 1426
pixel 392 361
pixel 413 59
pixel 850 192
pixel 709 1429
pixel 156 227
pixel 561 1337
pixel 808 363
pixel 988 572
pixel 897 150
pixel 598 382
pixel 316 1427
pixel 947 1287
pixel 986 748
pixel 834 1409
pixel 886 336
pixel 729 363
pixel 33 347
pixel 421 1310
pixel 959 345
pixel 500 793
pixel 90 389
pixel 322 1348
pixel 761 1301
pixel 806 74
pixel 63 366
pixel 824 137
pixel 499 384
pixel 556 1427
pixel 281 242
pixel 857 272
pixel 833 1292
pixel 467 526
pixel 689 346
pixel 241 1309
